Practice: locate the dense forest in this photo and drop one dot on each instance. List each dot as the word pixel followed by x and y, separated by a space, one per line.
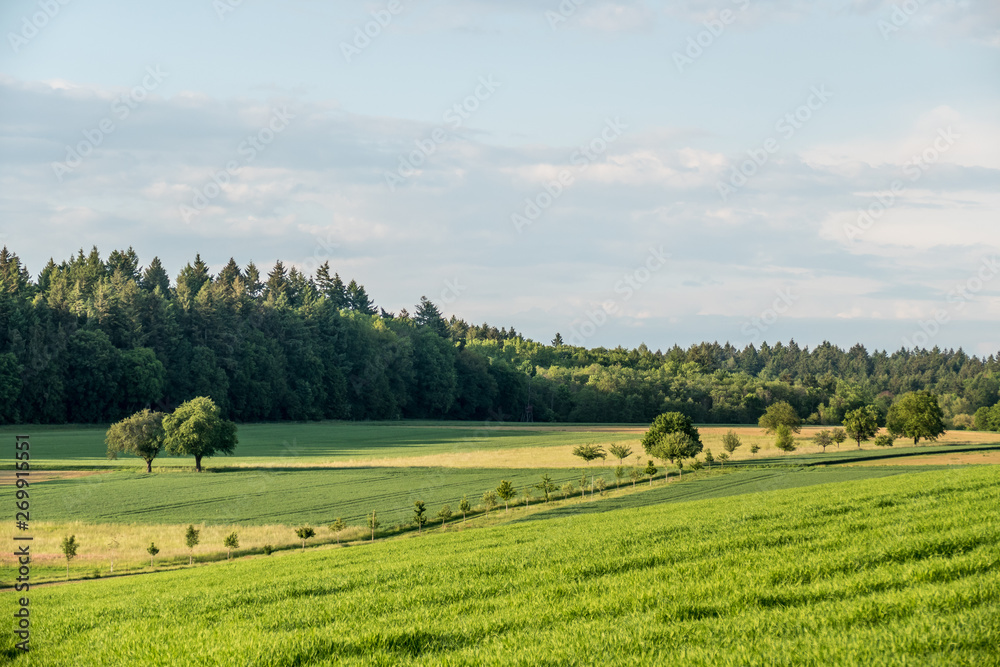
pixel 94 340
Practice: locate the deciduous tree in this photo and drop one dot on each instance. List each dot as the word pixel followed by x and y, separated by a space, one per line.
pixel 778 414
pixel 861 425
pixel 196 429
pixel 304 533
pixel 231 542
pixel 916 415
pixel 142 434
pixel 506 492
pixel 191 538
pixel 69 547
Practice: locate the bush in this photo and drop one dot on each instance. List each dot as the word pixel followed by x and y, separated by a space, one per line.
pixel 268 550
pixel 884 440
pixel 963 422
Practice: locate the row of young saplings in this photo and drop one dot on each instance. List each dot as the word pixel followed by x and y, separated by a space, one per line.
pixel 505 493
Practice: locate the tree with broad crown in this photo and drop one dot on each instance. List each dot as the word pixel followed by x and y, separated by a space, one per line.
pixel 231 542
pixel 444 514
pixel 839 436
pixel 670 423
pixel 675 447
pixel 785 441
pixel 464 507
pixel 419 514
pixel 506 492
pixel 304 533
pixel 916 415
pixel 337 527
pixel 69 547
pixel 196 429
pixel 152 550
pixel 777 414
pixel 191 539
pixel 620 452
pixel 546 486
pixel 142 434
pixel 731 441
pixel 861 424
pixel 589 452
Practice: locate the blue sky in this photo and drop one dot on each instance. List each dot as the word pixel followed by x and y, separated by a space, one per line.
pixel 555 167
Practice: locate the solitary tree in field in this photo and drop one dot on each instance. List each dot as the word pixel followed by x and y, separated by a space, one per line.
pixel 731 442
pixel 861 424
pixel 196 429
pixel 780 414
pixel 784 441
pixel 546 486
pixel 444 514
pixel 506 491
pixel 839 436
pixel 337 527
pixel 620 452
pixel 589 452
pixel 916 415
pixel 419 514
pixel 152 550
pixel 141 434
pixel 665 435
pixel 304 533
pixel 373 523
pixel 464 507
pixel 490 501
pixel 824 439
pixel 650 471
pixel 231 542
pixel 69 547
pixel 191 539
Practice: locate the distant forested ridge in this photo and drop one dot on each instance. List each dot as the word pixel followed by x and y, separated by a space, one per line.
pixel 94 340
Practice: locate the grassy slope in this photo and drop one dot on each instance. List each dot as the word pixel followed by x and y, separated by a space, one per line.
pixel 892 571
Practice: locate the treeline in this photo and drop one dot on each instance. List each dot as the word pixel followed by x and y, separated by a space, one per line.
pixel 95 340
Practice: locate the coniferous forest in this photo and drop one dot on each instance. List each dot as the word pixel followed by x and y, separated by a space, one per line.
pixel 94 340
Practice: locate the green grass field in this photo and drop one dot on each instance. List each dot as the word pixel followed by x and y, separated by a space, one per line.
pixel 304 443
pixel 899 570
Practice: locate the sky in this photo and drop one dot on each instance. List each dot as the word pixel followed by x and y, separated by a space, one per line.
pixel 619 172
